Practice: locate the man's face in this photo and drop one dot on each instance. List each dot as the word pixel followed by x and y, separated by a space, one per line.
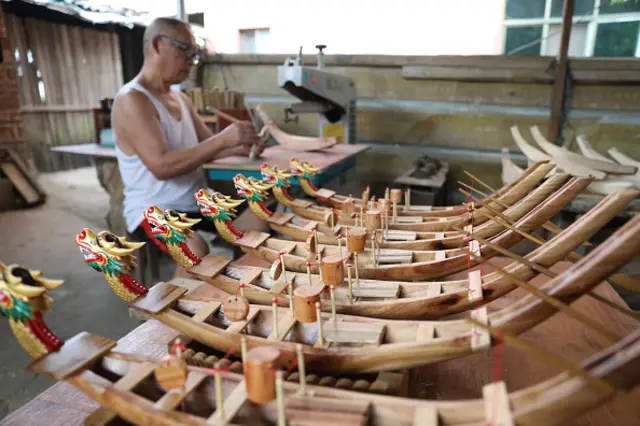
pixel 175 52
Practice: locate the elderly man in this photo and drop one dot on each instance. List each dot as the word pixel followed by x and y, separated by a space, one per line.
pixel 160 140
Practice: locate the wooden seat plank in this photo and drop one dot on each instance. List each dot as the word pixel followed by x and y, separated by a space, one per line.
pixel 160 296
pixel 285 324
pixel 237 327
pixel 250 275
pixel 210 266
pixel 353 332
pixel 280 218
pixel 206 311
pixel 171 400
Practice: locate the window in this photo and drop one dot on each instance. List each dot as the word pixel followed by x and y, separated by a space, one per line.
pixel 254 40
pixel 600 28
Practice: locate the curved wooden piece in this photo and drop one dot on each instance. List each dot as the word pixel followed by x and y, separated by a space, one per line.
pixel 510 170
pixel 559 152
pixel 622 158
pixel 399 347
pixel 418 300
pixel 293 142
pixel 588 151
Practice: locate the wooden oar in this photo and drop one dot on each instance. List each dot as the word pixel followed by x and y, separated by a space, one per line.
pixel 619 279
pixel 547 272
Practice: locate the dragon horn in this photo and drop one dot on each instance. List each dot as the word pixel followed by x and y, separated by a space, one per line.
pixel 118 251
pixel 185 219
pixel 134 245
pixel 29 291
pixel 50 284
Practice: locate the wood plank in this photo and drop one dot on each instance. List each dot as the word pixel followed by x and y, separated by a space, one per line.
pixel 278 287
pixel 160 296
pixel 408 219
pixel 206 311
pixel 441 255
pixel 20 182
pixel 280 218
pixel 33 181
pixel 387 259
pixel 311 225
pixel 325 193
pixel 251 275
pixel 171 400
pixel 231 405
pixel 426 416
pixel 318 411
pixel 480 338
pixel 285 324
pixel 435 289
pixel 496 404
pixel 103 416
pixel 475 285
pixel 252 239
pixel 76 354
pixel 369 290
pixel 237 327
pixel 353 332
pixel 301 204
pixel 475 74
pixel 210 266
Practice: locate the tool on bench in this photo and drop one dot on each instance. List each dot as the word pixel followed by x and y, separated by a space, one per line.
pixel 331 96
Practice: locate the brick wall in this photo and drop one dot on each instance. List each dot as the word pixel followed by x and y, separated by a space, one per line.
pixel 11 124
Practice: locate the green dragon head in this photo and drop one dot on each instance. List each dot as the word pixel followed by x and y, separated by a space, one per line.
pixel 302 169
pixel 248 189
pixel 106 252
pixel 170 226
pixel 275 176
pixel 215 206
pixel 27 285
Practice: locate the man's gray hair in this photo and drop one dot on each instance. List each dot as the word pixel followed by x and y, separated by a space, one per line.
pixel 159 26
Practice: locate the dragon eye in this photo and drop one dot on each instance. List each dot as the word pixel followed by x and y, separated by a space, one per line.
pixel 150 210
pixel 83 234
pixel 200 193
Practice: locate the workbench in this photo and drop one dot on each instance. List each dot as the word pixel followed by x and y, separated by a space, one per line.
pixel 462 378
pixel 333 162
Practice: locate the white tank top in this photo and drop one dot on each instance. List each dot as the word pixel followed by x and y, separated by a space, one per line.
pixel 141 188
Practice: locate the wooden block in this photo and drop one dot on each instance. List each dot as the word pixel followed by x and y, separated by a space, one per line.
pixel 420 208
pixel 480 338
pixel 285 324
pixel 210 266
pixel 76 353
pixel 443 219
pixel 353 332
pixel 409 219
pixel 496 404
pixel 160 296
pixel 475 286
pixel 370 290
pixel 324 411
pixel 250 275
pixel 302 204
pixel 439 235
pixel 325 193
pixel 231 405
pixel 434 290
pixel 279 287
pixel 386 259
pixel 237 327
pixel 474 248
pixel 206 311
pixel 252 239
pixel 440 255
pixel 425 416
pixel 468 228
pixel 280 218
pixel 401 236
pixel 311 225
pixel 426 332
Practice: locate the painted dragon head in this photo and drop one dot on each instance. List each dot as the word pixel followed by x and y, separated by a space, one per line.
pixel 170 226
pixel 27 285
pixel 275 176
pixel 248 189
pixel 106 252
pixel 216 206
pixel 302 168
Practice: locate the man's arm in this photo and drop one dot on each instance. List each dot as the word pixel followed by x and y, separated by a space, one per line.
pixel 138 128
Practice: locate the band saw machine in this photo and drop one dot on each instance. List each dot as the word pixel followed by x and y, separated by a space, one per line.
pixel 331 96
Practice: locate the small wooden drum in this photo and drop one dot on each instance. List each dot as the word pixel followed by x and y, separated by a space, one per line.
pixel 384 205
pixel 356 240
pixel 304 301
pixel 372 220
pixel 235 308
pixel 396 195
pixel 260 374
pixel 332 271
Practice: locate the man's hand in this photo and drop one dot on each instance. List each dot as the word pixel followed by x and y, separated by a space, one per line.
pixel 241 133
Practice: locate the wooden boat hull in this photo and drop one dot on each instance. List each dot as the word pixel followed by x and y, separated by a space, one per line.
pixel 554 401
pixel 415 300
pixel 402 344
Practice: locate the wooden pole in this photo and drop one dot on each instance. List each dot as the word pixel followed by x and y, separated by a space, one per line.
pixel 557 96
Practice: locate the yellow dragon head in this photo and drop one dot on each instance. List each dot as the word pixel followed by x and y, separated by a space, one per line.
pixel 170 226
pixel 302 168
pixel 216 206
pixel 29 285
pixel 275 176
pixel 247 190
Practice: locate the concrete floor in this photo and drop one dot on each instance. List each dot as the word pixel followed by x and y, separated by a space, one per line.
pixel 43 238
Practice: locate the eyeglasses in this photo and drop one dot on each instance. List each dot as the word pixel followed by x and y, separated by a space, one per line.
pixel 189 52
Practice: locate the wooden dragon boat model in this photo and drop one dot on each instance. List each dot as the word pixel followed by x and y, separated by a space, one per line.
pixel 298 228
pixel 399 300
pixel 347 344
pixel 260 396
pixel 426 224
pixel 305 172
pixel 384 264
